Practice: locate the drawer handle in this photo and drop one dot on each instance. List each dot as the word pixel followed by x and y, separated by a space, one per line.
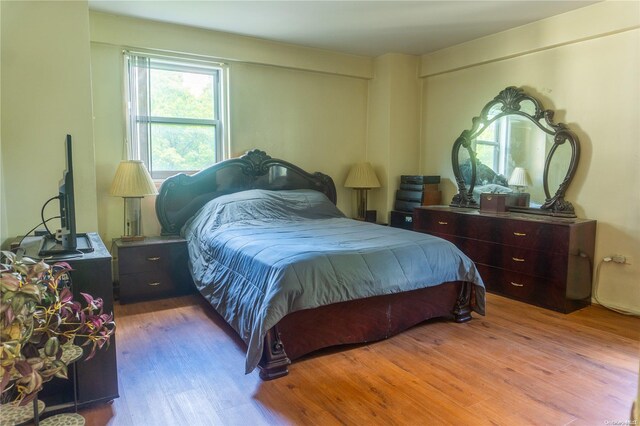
pixel 157 283
pixel 153 259
pixel 516 284
pixel 517 259
pixel 519 234
pixel 442 223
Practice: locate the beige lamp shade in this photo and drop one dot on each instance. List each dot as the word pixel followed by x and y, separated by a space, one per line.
pixel 519 177
pixel 362 175
pixel 132 180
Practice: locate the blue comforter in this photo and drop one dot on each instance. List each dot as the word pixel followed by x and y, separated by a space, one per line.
pixel 258 255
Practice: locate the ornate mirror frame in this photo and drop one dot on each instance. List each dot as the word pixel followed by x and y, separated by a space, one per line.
pixel 510 102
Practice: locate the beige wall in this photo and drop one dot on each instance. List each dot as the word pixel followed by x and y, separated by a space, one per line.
pixel 4 233
pixel 311 112
pixel 132 32
pixel 393 126
pixel 46 93
pixel 591 79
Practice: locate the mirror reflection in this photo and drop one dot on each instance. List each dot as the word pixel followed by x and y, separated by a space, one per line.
pixel 515 148
pixel 510 157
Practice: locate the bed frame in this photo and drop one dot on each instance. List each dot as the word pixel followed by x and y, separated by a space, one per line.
pixel 302 332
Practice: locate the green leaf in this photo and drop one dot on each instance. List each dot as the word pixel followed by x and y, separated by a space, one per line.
pixel 51 347
pixel 9 282
pixel 17 302
pixel 32 290
pixel 28 331
pixel 63 371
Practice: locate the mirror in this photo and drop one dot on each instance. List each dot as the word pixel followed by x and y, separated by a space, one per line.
pixel 515 148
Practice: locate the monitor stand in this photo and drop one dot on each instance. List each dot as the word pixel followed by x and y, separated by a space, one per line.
pixel 49 246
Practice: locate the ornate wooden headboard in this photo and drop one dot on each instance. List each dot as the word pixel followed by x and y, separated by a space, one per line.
pixel 181 196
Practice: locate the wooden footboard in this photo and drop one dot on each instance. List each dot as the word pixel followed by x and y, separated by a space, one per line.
pixel 359 321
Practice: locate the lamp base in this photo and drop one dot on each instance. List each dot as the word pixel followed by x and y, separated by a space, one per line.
pixel 132 219
pixel 362 203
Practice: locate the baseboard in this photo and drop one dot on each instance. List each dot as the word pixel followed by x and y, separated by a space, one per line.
pixel 614 306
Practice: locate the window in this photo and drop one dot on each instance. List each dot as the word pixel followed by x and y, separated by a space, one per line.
pixel 490 145
pixel 176 113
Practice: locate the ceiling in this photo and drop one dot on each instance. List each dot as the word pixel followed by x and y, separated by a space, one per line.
pixel 368 28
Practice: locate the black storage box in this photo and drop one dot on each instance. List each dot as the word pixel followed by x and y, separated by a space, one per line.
pixel 406 206
pixel 401 220
pixel 420 180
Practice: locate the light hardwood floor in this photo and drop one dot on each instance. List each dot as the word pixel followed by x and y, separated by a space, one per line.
pixel 180 364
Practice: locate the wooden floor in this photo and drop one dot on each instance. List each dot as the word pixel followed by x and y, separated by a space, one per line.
pixel 179 364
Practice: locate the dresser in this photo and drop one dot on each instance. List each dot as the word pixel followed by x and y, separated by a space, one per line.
pixel 152 268
pixel 542 260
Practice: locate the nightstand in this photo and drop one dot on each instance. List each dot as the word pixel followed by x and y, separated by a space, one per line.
pixel 152 268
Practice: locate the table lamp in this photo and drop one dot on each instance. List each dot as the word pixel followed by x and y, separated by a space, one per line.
pixel 519 179
pixel 362 178
pixel 132 182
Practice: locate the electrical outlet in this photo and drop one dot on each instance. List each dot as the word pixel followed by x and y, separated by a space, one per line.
pixel 618 258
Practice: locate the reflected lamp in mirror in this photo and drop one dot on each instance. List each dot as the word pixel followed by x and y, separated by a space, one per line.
pixel 519 179
pixel 362 178
pixel 132 182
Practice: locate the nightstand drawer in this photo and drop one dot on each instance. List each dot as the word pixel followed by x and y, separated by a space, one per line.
pixel 143 258
pixel 146 285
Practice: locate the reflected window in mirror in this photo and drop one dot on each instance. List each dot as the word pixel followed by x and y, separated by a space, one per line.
pixel 489 146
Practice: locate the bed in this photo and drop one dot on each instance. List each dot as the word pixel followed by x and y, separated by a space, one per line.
pixel 291 274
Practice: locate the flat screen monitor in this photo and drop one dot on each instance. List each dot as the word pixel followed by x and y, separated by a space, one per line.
pixel 67 202
pixel 66 239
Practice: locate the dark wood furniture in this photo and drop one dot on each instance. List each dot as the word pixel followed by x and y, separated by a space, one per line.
pixel 400 219
pixel 370 319
pixel 305 331
pixel 532 142
pixel 95 380
pixel 542 260
pixel 152 268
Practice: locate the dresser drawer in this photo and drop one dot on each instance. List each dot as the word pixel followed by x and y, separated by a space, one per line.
pixel 499 229
pixel 436 222
pixel 526 288
pixel 145 285
pixel 502 229
pixel 535 236
pixel 524 261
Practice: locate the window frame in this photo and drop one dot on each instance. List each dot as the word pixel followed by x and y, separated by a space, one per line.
pixel 498 145
pixel 139 143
